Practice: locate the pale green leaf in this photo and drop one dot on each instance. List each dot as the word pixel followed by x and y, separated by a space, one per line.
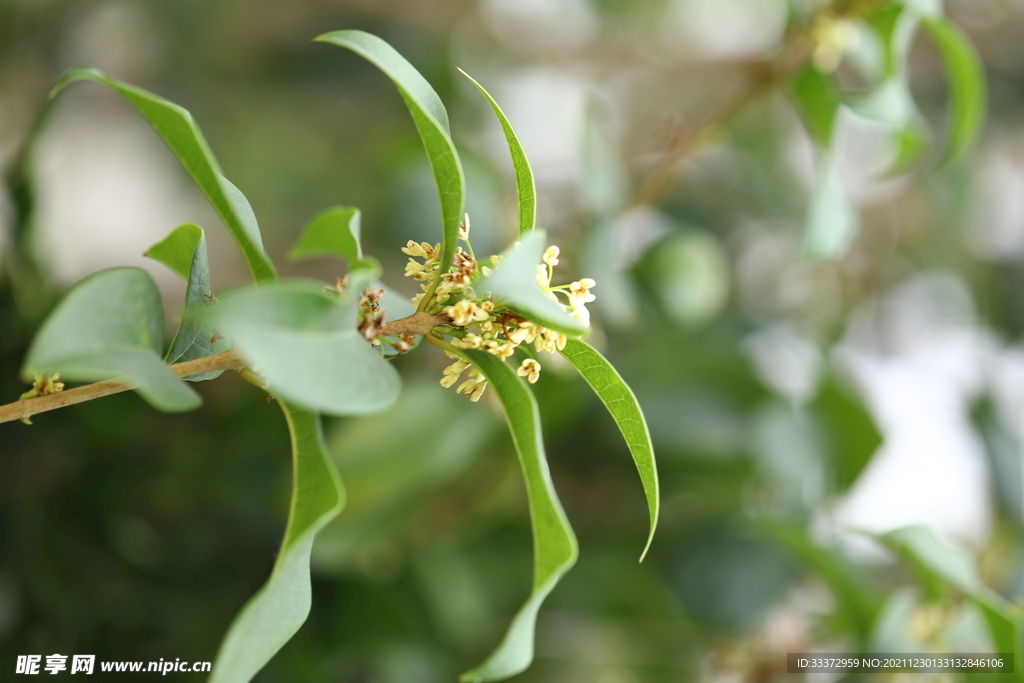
pixel 178 249
pixel 280 607
pixel 431 120
pixel 939 565
pixel 832 221
pixel 334 232
pixel 305 343
pixel 514 282
pixel 554 544
pixel 525 186
pixel 110 325
pixel 180 132
pixel 966 84
pixel 184 252
pixel 620 401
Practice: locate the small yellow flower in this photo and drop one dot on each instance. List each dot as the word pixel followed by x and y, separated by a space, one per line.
pixel 530 369
pixel 526 332
pixel 542 276
pixel 452 372
pixel 473 387
pixel 581 314
pixel 551 256
pixel 465 312
pixel 422 250
pixel 579 292
pixel 44 385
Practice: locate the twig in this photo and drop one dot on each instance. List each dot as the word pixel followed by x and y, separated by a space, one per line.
pixel 25 408
pixel 419 323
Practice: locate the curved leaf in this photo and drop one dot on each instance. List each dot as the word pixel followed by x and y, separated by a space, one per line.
pixel 554 544
pixel 515 283
pixel 184 252
pixel 333 232
pixel 966 84
pixel 111 325
pixel 180 132
pixel 620 401
pixel 431 120
pixel 275 613
pixel 306 344
pixel 525 186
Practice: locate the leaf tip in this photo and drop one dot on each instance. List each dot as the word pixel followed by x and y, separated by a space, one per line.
pixel 75 74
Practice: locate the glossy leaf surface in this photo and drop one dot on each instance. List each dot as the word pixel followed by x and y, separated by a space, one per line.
pixel 275 613
pixel 620 401
pixel 554 544
pixel 431 120
pixel 180 132
pixel 525 186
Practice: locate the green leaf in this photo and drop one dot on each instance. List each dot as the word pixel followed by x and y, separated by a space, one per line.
pixel 620 401
pixel 305 343
pixel 184 252
pixel 334 232
pixel 431 120
pixel 280 607
pixel 110 325
pixel 966 84
pixel 177 251
pixel 554 544
pixel 180 132
pixel 515 283
pixel 817 102
pixel 832 222
pixel 525 186
pixel 940 566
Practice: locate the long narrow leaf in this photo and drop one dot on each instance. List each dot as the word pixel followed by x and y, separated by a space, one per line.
pixel 966 84
pixel 620 401
pixel 554 544
pixel 180 132
pixel 525 186
pixel 275 613
pixel 184 252
pixel 431 120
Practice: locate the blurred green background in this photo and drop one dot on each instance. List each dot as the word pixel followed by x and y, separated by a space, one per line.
pixel 793 402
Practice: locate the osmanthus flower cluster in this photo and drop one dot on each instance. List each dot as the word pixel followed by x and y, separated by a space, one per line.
pixel 321 351
pixel 477 321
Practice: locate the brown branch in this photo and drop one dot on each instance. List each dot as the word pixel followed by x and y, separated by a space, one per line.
pixel 419 323
pixel 25 408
